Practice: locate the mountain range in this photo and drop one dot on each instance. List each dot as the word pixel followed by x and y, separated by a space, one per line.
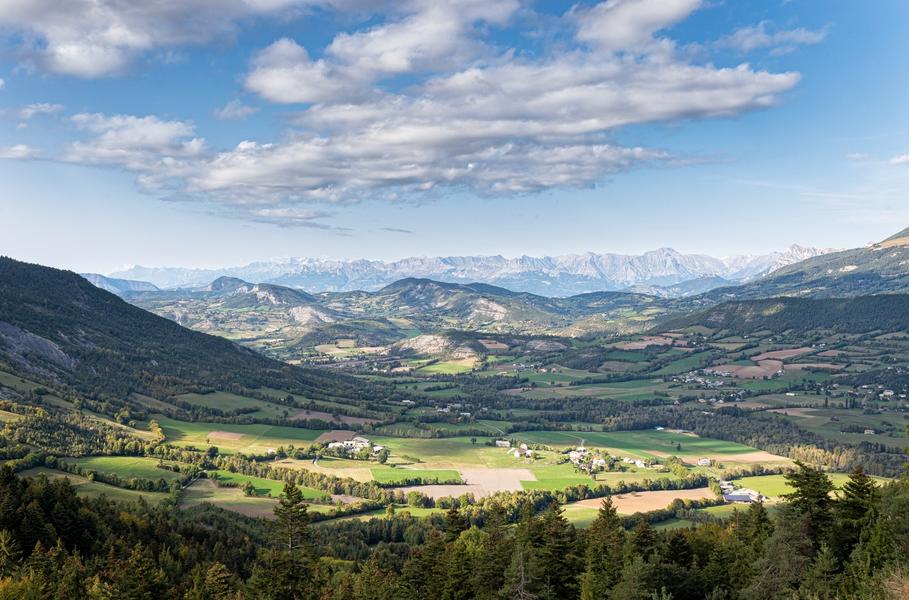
pixel 663 272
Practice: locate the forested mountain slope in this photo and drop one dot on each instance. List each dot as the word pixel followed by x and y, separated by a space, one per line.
pixel 57 325
pixel 886 313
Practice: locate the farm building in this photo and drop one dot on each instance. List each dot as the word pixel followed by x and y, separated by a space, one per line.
pixel 503 444
pixel 744 496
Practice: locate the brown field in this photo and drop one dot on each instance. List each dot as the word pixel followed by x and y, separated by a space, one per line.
pixel 746 458
pixel 766 368
pixel 650 340
pixel 796 412
pixel 781 354
pixel 628 504
pixel 479 482
pixel 493 345
pixel 802 366
pixel 225 436
pixel 752 405
pixel 336 435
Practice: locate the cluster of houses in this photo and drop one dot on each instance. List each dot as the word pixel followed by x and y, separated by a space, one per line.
pixel 692 378
pixel 739 495
pixel 522 451
pixel 356 445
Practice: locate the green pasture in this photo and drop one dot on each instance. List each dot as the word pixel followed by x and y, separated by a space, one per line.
pixel 95 489
pixel 641 444
pixel 264 487
pixel 392 475
pixel 249 439
pixel 227 401
pixel 126 467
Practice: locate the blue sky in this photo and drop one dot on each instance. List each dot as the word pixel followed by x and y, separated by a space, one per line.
pixel 218 132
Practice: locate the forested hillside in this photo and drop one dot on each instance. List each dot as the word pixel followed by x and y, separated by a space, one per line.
pixel 849 315
pixel 57 326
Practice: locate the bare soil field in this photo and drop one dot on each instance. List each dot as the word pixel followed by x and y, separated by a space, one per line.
pixel 628 504
pixel 493 345
pixel 796 412
pixel 479 482
pixel 651 340
pixel 782 354
pixel 336 435
pixel 803 366
pixel 756 457
pixel 766 368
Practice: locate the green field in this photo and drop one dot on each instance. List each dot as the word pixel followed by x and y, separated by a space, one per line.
pixel 126 467
pixel 397 475
pixel 773 486
pixel 249 439
pixel 264 487
pixel 640 444
pixel 94 489
pixel 226 401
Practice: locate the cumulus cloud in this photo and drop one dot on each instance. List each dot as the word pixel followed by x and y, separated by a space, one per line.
pixel 630 25
pixel 27 112
pixel 235 110
pixel 763 35
pixel 94 38
pixel 17 152
pixel 423 103
pixel 900 159
pixel 156 150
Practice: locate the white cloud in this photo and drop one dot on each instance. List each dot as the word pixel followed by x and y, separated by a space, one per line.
pixel 857 156
pixel 94 38
pixel 27 112
pixel 434 37
pixel 630 24
pixel 2 83
pixel 17 152
pixel 156 150
pixel 471 116
pixel 283 72
pixel 235 110
pixel 900 159
pixel 780 41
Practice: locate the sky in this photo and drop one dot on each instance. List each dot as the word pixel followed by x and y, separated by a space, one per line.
pixel 211 133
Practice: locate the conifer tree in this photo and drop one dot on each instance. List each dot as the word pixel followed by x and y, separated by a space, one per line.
pixel 603 559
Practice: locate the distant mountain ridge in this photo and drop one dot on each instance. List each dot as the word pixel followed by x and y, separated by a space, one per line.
pixel 658 271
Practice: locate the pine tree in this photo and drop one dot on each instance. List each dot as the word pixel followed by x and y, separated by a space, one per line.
pixel 492 561
pixel 10 553
pixel 811 497
pixel 287 572
pixel 852 512
pixel 822 579
pixel 455 523
pixel 603 559
pixel 560 564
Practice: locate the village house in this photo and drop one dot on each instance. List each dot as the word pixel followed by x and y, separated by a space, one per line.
pixel 503 444
pixel 354 445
